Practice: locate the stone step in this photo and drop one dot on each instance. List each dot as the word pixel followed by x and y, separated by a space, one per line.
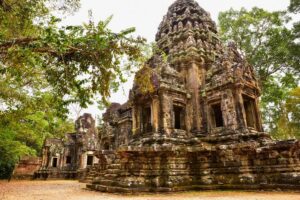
pixel 113 171
pixel 106 182
pixel 113 166
pixel 114 189
pixel 104 188
pixel 110 175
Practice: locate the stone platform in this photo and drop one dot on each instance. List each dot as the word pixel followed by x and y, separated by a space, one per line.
pixel 252 164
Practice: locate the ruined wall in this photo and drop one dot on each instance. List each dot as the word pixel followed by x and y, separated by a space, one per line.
pixel 26 167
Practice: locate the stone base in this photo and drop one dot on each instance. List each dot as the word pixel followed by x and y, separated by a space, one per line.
pixel 251 164
pixel 55 174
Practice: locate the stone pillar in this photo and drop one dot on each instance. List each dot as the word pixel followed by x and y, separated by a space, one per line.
pixel 203 100
pixel 61 160
pixel 258 116
pixel 165 115
pixel 155 114
pixel 134 120
pixel 241 115
pixel 205 111
pixel 139 119
pixel 83 160
pixel 44 157
pixel 80 161
pixel 228 110
pixel 48 160
pixel 193 83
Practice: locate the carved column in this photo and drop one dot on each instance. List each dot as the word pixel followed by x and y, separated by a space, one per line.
pixel 258 116
pixel 203 107
pixel 193 87
pixel 134 120
pixel 155 113
pixel 165 113
pixel 241 115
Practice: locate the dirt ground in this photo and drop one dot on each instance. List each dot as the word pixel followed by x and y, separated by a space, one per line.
pixel 72 190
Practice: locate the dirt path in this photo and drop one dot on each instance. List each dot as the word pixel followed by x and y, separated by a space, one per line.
pixel 72 190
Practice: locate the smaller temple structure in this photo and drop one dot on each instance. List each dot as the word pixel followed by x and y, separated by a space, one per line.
pixel 72 156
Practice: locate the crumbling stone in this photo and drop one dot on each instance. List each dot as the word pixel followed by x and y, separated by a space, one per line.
pixel 72 157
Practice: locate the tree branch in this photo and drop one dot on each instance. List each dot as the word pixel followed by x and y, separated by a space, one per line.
pixel 17 41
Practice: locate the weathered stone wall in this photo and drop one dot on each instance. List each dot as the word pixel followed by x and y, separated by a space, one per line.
pixel 26 167
pixel 234 166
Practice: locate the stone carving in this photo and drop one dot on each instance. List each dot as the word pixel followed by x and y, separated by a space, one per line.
pixel 196 26
pixel 180 26
pixel 189 25
pixel 191 42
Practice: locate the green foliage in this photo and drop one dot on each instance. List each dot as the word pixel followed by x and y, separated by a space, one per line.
pixel 295 47
pixel 78 62
pixel 45 67
pixel 147 78
pixel 269 46
pixel 294 6
pixel 23 129
pixel 263 38
pixel 144 80
pixel 289 121
pixel 10 151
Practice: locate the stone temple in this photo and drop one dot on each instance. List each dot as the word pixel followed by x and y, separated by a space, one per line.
pixel 198 124
pixel 71 157
pixel 192 122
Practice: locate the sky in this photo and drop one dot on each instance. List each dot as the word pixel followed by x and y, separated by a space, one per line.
pixel 145 16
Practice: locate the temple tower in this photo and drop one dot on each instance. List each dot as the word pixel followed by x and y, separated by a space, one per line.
pixel 201 87
pixel 188 36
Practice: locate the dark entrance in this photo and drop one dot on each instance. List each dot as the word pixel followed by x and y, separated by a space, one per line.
pixel 146 120
pixel 68 160
pixel 179 117
pixel 217 115
pixel 90 160
pixel 54 162
pixel 106 146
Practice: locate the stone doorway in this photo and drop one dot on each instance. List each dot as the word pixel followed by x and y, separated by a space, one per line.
pixel 146 120
pixel 90 160
pixel 68 160
pixel 54 162
pixel 179 117
pixel 250 112
pixel 216 115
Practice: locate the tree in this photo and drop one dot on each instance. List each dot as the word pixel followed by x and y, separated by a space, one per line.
pixel 295 47
pixel 23 130
pixel 267 43
pixel 289 121
pixel 294 6
pixel 79 62
pixel 45 67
